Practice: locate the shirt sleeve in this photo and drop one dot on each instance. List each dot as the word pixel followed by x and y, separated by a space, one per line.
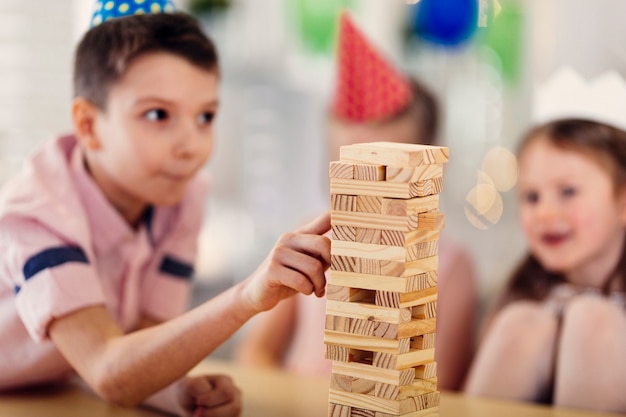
pixel 50 276
pixel 166 287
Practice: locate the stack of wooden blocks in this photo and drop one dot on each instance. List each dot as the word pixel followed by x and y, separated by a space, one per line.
pixel 382 289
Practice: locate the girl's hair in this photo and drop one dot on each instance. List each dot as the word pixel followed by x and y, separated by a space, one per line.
pixel 605 144
pixel 106 51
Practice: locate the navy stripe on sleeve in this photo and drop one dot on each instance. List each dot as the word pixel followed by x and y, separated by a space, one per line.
pixel 52 257
pixel 176 268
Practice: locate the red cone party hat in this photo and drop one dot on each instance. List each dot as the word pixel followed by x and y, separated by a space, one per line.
pixel 369 88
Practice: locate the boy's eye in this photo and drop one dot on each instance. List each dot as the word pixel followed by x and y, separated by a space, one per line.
pixel 156 115
pixel 568 191
pixel 206 118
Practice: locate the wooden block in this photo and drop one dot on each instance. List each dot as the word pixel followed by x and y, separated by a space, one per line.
pixel 346 233
pixel 343 202
pixel 430 221
pixel 369 172
pixel 337 323
pixel 418 387
pixel 383 283
pixel 369 204
pixel 351 325
pixel 393 407
pixel 413 174
pixel 407 238
pixel 417 298
pixel 424 188
pixel 425 341
pixel 417 327
pixel 341 382
pixel 343 263
pixel 386 189
pixel 422 250
pixel 400 392
pixel 338 410
pixel 384 252
pixel 429 412
pixel 365 235
pixel 410 359
pixel 426 371
pixel 374 221
pixel 372 373
pixel 370 312
pixel 371 344
pixel 337 353
pixel 363 386
pixel 337 169
pixel 394 154
pixel 361 412
pixel 425 311
pixel 340 293
pixel 405 207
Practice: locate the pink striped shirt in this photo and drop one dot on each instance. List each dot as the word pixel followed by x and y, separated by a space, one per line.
pixel 65 247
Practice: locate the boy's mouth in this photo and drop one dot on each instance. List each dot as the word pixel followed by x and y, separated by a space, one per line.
pixel 177 177
pixel 554 239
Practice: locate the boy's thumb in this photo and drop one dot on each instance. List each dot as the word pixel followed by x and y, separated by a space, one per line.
pixel 317 226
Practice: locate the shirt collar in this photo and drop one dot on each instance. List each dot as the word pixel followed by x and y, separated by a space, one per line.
pixel 108 227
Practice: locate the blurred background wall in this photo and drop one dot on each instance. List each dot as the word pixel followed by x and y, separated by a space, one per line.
pixel 270 167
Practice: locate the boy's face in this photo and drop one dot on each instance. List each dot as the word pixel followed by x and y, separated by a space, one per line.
pixel 156 132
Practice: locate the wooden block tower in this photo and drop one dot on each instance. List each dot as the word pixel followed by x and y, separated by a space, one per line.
pixel 382 289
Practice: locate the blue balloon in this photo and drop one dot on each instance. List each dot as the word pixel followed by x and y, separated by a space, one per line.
pixel 445 22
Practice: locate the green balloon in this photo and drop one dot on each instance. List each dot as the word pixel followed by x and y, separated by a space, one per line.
pixel 503 35
pixel 317 22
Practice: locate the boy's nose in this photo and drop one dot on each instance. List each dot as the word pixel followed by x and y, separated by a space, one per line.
pixel 189 142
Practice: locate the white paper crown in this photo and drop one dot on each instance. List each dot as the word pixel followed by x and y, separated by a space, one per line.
pixel 566 94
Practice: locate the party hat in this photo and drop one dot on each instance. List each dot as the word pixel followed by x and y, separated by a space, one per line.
pixel 369 87
pixel 107 10
pixel 566 94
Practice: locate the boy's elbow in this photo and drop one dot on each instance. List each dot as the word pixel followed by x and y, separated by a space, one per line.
pixel 116 392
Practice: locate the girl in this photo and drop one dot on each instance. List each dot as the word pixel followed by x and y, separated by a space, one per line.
pixel 558 332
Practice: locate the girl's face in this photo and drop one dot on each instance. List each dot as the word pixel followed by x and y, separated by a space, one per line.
pixel 570 212
pixel 155 134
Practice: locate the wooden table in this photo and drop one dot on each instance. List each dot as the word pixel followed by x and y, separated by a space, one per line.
pixel 266 394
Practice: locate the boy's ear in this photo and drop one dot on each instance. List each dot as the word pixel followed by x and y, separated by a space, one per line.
pixel 84 114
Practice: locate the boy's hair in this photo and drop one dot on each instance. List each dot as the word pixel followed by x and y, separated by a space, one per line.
pixel 607 145
pixel 424 110
pixel 106 51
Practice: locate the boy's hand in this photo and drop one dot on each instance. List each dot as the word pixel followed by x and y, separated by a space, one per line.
pixel 209 396
pixel 296 264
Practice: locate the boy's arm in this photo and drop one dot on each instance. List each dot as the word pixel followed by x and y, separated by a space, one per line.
pixel 126 369
pixel 267 340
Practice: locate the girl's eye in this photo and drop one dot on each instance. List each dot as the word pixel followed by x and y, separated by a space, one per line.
pixel 156 115
pixel 530 197
pixel 206 118
pixel 568 191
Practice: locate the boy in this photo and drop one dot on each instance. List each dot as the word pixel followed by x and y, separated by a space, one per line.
pixel 99 230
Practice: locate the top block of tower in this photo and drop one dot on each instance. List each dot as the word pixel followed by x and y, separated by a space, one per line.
pixel 394 154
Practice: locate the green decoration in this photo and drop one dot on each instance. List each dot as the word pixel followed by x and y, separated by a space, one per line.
pixel 504 36
pixel 317 21
pixel 199 7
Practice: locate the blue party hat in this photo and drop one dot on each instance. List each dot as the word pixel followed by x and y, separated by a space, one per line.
pixel 109 9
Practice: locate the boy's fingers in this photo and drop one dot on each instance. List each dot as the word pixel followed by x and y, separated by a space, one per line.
pixel 317 226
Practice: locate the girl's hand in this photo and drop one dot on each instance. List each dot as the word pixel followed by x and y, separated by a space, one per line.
pixel 209 396
pixel 296 264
